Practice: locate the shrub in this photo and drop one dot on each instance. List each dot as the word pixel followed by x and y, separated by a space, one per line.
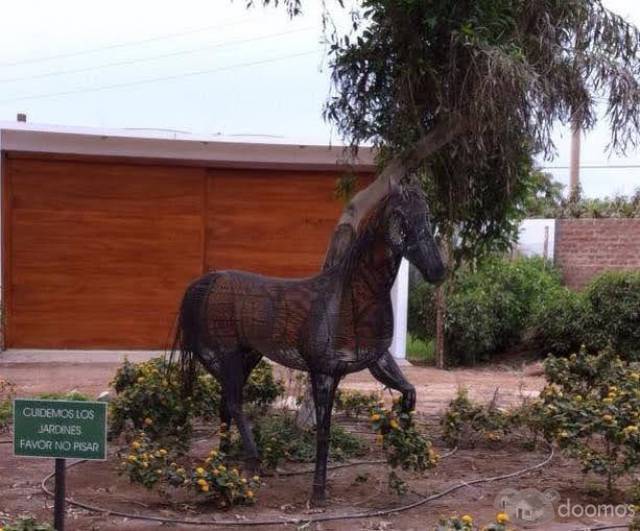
pixel 70 395
pixel 464 420
pixel 421 315
pixel 465 523
pixel 149 397
pixel 591 408
pixel 421 352
pixel 614 319
pixel 26 523
pixel 151 465
pixel 7 391
pixel 606 313
pixel 403 445
pixel 559 323
pixel 262 388
pixel 489 310
pixel 354 403
pixel 279 438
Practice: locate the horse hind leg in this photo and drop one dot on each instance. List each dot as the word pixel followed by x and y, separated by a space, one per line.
pixel 234 372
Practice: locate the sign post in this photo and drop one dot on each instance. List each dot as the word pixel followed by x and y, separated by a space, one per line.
pixel 60 429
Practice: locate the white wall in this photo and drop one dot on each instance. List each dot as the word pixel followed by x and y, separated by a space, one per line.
pixel 400 301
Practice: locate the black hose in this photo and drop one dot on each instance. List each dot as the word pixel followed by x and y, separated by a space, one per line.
pixel 299 519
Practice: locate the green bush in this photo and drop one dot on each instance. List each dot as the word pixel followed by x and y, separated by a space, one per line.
pixel 404 447
pixel 614 316
pixel 278 438
pixel 7 391
pixel 26 523
pixel 421 315
pixel 490 309
pixel 354 403
pixel 421 352
pixel 559 322
pixel 149 398
pixel 606 313
pixel 591 408
pixel 150 465
pixel 70 395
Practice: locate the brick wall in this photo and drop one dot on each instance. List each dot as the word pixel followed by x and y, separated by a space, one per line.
pixel 586 247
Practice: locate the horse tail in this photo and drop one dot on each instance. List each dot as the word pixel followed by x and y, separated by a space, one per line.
pixel 186 343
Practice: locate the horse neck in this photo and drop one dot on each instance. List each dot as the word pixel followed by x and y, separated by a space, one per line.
pixel 373 266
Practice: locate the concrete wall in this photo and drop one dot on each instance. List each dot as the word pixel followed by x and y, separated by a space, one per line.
pixel 585 248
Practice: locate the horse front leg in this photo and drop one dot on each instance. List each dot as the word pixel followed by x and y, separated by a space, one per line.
pixel 386 371
pixel 324 390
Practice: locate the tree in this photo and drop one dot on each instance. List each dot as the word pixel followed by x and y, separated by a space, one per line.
pixel 472 86
pixel 467 91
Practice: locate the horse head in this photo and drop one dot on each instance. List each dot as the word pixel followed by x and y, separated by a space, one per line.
pixel 410 233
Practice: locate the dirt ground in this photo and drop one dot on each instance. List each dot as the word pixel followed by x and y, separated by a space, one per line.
pixel 352 489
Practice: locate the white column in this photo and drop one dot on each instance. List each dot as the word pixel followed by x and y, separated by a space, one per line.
pixel 400 301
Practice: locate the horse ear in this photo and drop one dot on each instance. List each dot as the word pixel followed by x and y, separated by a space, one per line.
pixel 397 227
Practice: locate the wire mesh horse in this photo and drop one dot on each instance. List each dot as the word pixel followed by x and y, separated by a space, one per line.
pixel 337 322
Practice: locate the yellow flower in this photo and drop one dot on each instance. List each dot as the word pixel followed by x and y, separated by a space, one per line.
pixel 162 451
pixel 222 468
pixel 135 445
pixel 502 518
pixel 202 482
pixel 394 424
pixel 256 478
pixel 200 471
pixel 630 429
pixel 607 418
pixel 250 494
pixel 243 481
pixel 148 421
pixel 140 379
pixel 132 458
pixel 379 439
pixel 466 519
pixel 375 417
pixel 204 488
pixel 145 465
pixel 607 401
pixel 213 453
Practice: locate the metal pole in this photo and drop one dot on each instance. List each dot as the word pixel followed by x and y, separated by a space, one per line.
pixel 58 507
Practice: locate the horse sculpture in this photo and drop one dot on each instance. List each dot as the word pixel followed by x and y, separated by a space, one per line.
pixel 337 322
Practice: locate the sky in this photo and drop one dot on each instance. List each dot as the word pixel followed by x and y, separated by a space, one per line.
pixel 207 67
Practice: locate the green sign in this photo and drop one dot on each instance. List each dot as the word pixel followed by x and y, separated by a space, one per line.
pixel 60 428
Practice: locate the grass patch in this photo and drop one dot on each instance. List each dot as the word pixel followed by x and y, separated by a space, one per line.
pixel 70 395
pixel 421 352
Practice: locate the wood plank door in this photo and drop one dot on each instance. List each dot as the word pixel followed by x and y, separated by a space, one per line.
pixel 98 254
pixel 272 222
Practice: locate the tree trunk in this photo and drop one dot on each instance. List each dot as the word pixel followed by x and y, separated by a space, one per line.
pixel 442 292
pixel 362 202
pixel 441 309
